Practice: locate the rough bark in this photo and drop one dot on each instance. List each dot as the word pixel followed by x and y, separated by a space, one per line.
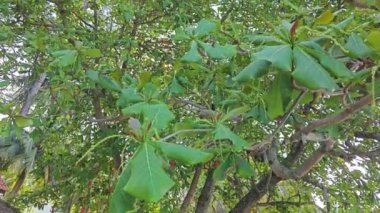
pixel 192 189
pixel 205 198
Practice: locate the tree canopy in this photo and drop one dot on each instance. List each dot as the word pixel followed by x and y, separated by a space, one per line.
pixel 190 106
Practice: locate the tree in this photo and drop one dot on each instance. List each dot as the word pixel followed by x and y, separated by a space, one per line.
pixel 192 105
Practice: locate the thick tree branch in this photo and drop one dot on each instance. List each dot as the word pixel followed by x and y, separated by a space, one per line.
pixel 287 173
pixel 32 92
pixel 340 117
pixel 204 199
pixel 192 189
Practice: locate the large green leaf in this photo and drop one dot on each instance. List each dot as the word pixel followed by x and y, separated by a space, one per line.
pixel 222 132
pixel 310 73
pixel 279 95
pixel 280 56
pixel 128 96
pixel 159 114
pixel 93 75
pixel 204 27
pixel 120 201
pixel 109 83
pixel 22 121
pixel 64 57
pixel 134 109
pixel 333 66
pixel 186 155
pixel 192 55
pixel 264 39
pixel 175 87
pixel 254 70
pixel 357 47
pixel 219 52
pixel 148 180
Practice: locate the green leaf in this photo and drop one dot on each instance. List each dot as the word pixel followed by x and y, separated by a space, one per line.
pixel 93 75
pixel 220 173
pixel 333 66
pixel 325 18
pixel 192 55
pixel 109 83
pixel 244 170
pixel 95 53
pixel 186 155
pixel 219 52
pixel 65 57
pixel 222 132
pixel 4 83
pixel 280 56
pixel 279 95
pixel 158 114
pixel 234 112
pixel 204 27
pixel 374 39
pixel 309 73
pixel 22 121
pixel 357 47
pixel 180 35
pixel 148 180
pixel 128 96
pixel 263 39
pixel 120 201
pixel 175 87
pixel 135 108
pixel 254 70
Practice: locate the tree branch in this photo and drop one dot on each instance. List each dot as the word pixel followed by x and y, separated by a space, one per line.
pixel 32 92
pixel 204 199
pixel 192 189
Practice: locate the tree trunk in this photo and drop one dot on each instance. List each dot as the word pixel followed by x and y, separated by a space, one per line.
pixel 7 208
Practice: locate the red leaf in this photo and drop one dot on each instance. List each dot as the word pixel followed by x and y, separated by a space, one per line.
pixel 293 29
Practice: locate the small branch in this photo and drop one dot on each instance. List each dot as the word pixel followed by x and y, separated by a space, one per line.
pixel 96 145
pixel 184 131
pixel 204 199
pixel 284 203
pixel 32 92
pixel 109 119
pixel 256 148
pixel 340 117
pixel 84 22
pixel 192 189
pixel 367 135
pixel 228 12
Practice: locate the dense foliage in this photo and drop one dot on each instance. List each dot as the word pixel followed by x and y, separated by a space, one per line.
pixel 205 106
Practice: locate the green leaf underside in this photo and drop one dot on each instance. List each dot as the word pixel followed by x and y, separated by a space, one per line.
pixel 357 47
pixel 186 155
pixel 65 57
pixel 148 180
pixel 254 70
pixel 309 73
pixel 220 52
pixel 158 114
pixel 222 132
pixel 280 56
pixel 109 83
pixel 120 201
pixel 128 96
pixel 204 27
pixel 192 55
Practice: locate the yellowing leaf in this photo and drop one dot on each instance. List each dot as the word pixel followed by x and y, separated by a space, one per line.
pixel 325 18
pixel 374 39
pixel 22 121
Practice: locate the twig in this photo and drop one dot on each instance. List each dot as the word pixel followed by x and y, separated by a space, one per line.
pixel 96 145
